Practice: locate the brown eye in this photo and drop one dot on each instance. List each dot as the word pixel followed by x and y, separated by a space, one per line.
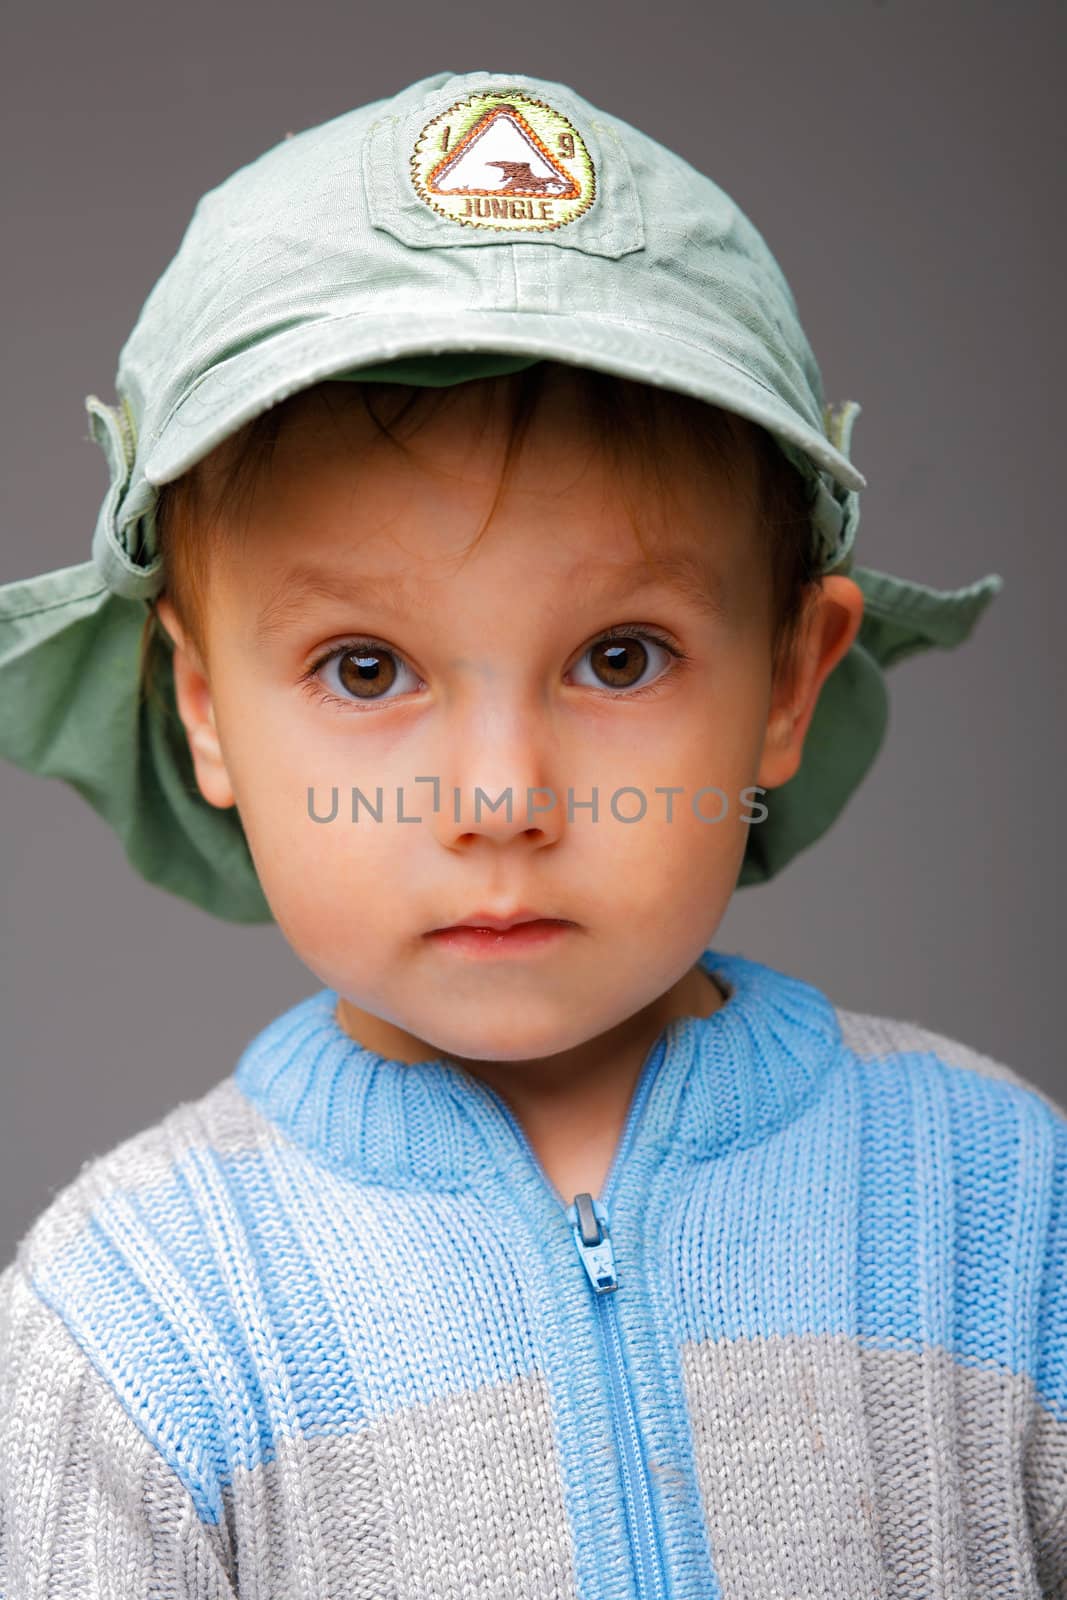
pixel 361 670
pixel 627 659
pixel 366 672
pixel 619 662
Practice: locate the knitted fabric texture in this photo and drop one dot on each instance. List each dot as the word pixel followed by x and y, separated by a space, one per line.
pixel 330 1332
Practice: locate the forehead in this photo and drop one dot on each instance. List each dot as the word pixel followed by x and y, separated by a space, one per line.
pixel 580 416
pixel 378 485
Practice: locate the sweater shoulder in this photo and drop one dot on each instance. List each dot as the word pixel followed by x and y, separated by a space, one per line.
pixel 221 1123
pixel 1001 1142
pixel 877 1039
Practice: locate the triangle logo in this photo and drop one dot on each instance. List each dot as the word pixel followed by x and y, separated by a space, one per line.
pixel 502 155
pixel 506 161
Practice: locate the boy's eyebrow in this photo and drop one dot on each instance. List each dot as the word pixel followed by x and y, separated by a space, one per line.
pixel 688 576
pixel 685 575
pixel 303 583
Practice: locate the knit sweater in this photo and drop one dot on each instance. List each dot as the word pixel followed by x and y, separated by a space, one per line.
pixel 330 1332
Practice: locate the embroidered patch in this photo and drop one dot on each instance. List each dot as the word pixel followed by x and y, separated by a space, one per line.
pixel 506 161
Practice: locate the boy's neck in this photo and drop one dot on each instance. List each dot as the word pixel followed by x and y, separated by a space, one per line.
pixel 572 1106
pixel 574 1113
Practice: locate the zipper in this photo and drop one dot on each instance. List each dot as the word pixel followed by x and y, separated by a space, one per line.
pixel 590 1227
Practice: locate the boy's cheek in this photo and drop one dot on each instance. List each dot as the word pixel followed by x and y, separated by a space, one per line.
pixel 311 856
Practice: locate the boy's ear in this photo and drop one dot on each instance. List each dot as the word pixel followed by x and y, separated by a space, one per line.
pixel 832 624
pixel 192 691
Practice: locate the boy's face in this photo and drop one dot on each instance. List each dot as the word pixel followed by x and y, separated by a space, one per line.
pixel 482 670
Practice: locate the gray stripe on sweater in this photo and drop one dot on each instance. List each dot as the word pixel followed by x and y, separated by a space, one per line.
pixel 814 1462
pixel 461 1496
pixel 1046 1467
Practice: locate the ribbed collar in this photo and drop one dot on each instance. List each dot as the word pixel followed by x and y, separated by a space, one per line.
pixel 727 1079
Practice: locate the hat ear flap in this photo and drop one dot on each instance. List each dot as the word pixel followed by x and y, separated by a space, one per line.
pixel 175 838
pixel 851 714
pixel 844 735
pixel 73 710
pixel 900 617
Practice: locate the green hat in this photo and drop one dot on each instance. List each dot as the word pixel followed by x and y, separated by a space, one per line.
pixel 470 225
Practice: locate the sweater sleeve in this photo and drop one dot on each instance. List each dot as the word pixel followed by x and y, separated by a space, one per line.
pixel 1046 1454
pixel 88 1508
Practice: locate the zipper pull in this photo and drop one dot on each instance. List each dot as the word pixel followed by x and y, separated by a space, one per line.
pixel 589 1225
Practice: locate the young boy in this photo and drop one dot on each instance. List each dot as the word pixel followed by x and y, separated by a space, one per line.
pixel 474 595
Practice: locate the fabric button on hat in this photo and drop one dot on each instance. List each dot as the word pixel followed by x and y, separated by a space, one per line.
pixel 469 225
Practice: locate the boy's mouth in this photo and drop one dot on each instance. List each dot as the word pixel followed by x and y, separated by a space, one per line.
pixel 485 919
pixel 484 934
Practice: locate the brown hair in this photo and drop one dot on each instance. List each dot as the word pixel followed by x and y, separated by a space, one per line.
pixel 632 422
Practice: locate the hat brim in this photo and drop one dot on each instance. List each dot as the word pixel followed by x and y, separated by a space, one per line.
pixel 251 381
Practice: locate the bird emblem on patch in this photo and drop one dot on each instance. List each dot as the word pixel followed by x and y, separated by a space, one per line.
pixel 506 161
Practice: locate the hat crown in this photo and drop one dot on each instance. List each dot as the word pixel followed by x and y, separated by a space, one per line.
pixel 354 223
pixel 309 228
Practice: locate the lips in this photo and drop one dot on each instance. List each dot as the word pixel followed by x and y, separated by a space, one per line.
pixel 485 919
pixel 522 936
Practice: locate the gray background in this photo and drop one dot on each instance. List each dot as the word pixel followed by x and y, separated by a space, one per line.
pixel 900 159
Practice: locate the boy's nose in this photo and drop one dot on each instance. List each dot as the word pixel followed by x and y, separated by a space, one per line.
pixel 501 781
